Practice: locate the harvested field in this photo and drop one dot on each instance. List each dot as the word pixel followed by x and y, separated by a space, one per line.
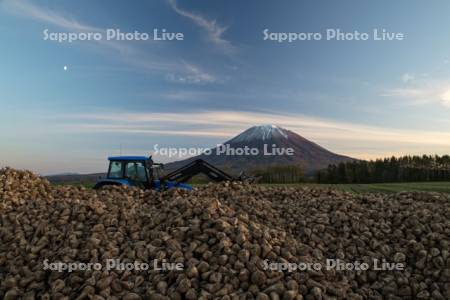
pixel 233 241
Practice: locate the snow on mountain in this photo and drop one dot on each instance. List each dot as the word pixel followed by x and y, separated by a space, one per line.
pixel 262 132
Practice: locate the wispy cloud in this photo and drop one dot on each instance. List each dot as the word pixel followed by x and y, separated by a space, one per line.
pixel 212 28
pixel 407 77
pixel 195 95
pixel 421 89
pixel 350 138
pixel 194 75
pixel 408 92
pixel 28 9
pixel 180 72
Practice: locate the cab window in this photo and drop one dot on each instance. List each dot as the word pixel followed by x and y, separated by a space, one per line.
pixel 115 170
pixel 136 171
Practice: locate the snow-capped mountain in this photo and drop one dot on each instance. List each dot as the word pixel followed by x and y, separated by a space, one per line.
pixel 263 132
pixel 272 144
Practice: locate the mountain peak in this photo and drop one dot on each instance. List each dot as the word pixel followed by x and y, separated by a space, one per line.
pixel 261 132
pixel 265 126
pixel 264 138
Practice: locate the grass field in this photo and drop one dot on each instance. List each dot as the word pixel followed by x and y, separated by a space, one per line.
pixel 443 187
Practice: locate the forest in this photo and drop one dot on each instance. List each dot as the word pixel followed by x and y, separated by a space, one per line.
pixel 394 169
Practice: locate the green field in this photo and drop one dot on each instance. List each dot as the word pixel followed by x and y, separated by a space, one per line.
pixel 443 187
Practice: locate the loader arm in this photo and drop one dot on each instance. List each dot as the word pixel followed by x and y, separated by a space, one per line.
pixel 198 166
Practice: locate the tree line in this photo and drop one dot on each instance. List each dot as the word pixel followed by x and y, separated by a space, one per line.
pixel 401 169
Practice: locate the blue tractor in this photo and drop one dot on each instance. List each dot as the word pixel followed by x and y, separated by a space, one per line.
pixel 142 172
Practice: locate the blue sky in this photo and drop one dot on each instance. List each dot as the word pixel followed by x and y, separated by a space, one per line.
pixel 365 99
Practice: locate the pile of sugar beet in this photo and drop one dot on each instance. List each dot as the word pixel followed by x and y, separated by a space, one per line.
pixel 224 235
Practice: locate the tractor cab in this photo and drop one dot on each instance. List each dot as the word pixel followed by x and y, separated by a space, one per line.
pixel 128 170
pixel 132 169
pixel 138 171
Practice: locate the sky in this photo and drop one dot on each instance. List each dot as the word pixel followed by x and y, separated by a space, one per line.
pixel 67 106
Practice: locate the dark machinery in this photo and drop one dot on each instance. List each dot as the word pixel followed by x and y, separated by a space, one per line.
pixel 142 172
pixel 198 166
